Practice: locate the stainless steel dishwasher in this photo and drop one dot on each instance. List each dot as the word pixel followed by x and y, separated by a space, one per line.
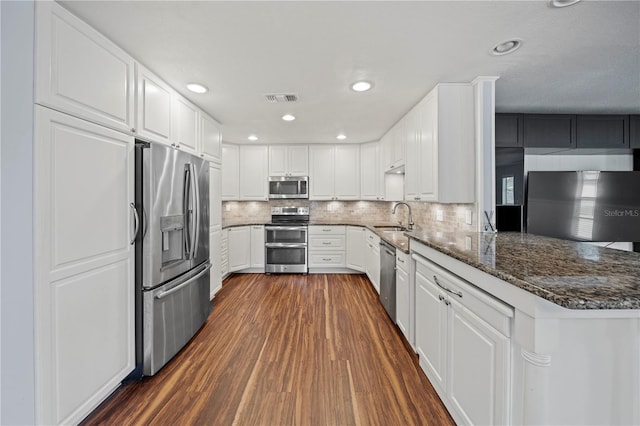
pixel 388 278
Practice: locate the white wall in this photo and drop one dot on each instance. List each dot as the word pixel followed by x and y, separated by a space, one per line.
pixel 17 386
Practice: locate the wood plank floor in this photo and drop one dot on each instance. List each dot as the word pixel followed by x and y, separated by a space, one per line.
pixel 286 350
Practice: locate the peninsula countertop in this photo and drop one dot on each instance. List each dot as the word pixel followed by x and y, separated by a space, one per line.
pixel 570 274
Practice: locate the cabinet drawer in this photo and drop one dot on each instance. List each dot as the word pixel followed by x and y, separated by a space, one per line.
pixel 372 238
pixel 402 261
pixel 329 259
pixel 493 311
pixel 328 242
pixel 327 230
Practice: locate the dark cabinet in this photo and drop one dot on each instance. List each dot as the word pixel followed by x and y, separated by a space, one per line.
pixel 508 130
pixel 549 131
pixel 602 131
pixel 634 131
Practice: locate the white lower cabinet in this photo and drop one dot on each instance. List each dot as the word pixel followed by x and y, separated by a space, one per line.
pixel 327 246
pixel 84 278
pixel 372 259
pixel 403 297
pixel 463 341
pixel 215 256
pixel 246 248
pixel 355 247
pixel 224 253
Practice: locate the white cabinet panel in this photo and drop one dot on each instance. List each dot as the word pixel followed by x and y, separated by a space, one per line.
pixel 347 172
pixel 93 333
pixel 230 172
pixel 85 264
pixel 372 259
pixel 215 196
pixel 215 247
pixel 355 247
pixel 185 124
pixel 210 138
pixel 321 172
pixel 403 294
pixel 278 164
pixel 298 157
pixel 257 246
pixel 80 72
pixel 153 118
pixel 371 176
pixel 239 248
pixel 254 172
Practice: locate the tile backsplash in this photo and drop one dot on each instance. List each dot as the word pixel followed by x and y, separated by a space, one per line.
pixel 424 214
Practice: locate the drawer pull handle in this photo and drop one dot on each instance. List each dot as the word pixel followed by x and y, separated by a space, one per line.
pixel 326 230
pixel 457 293
pixel 326 260
pixel 326 243
pixel 400 260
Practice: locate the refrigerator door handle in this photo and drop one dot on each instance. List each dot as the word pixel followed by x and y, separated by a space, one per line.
pixel 186 200
pixel 136 222
pixel 184 284
pixel 195 235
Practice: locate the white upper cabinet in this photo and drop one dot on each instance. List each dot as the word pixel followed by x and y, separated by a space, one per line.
pixel 210 139
pixel 289 160
pixel 231 172
pixel 394 146
pixel 185 120
pixel 254 172
pixel 153 117
pixel 80 72
pixel 440 164
pixel 334 173
pixel 371 177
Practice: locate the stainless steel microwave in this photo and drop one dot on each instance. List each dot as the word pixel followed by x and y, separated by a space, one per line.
pixel 288 187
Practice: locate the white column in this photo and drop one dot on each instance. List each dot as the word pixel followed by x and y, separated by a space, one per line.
pixel 484 94
pixel 536 382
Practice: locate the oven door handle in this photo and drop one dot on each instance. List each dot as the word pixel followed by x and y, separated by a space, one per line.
pixel 285 245
pixel 285 228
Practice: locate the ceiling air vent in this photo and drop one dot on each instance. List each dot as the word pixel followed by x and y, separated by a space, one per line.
pixel 281 97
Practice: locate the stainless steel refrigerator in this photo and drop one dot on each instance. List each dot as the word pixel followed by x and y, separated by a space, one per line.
pixel 584 205
pixel 172 252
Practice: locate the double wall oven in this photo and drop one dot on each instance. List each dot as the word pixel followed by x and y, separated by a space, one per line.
pixel 286 240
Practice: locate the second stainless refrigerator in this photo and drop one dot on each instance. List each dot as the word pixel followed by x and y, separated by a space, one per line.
pixel 172 252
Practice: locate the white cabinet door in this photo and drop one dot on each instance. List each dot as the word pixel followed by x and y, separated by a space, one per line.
pixel 153 118
pixel 257 246
pixel 185 124
pixel 478 368
pixel 254 169
pixel 239 246
pixel 347 172
pixel 84 272
pixel 278 160
pixel 413 160
pixel 403 300
pixel 431 330
pixel 230 172
pixel 370 175
pixel 215 257
pixel 215 196
pixel 81 72
pixel 427 154
pixel 210 138
pixel 355 247
pixel 372 259
pixel 321 172
pixel 298 157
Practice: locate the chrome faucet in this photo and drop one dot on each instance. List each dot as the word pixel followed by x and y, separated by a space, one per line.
pixel 410 227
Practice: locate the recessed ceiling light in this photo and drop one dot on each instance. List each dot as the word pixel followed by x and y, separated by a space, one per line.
pixel 341 137
pixel 197 88
pixel 361 86
pixel 253 138
pixel 561 3
pixel 506 47
pixel 288 117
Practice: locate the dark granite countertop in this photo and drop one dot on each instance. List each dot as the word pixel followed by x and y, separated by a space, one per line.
pixel 570 274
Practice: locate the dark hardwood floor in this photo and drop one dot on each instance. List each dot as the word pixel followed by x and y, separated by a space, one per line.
pixel 286 350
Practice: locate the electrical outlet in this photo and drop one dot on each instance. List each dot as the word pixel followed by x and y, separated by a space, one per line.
pixel 227 208
pixel 439 215
pixel 468 217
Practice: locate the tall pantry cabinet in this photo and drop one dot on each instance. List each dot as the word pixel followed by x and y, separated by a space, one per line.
pixel 92 101
pixel 84 226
